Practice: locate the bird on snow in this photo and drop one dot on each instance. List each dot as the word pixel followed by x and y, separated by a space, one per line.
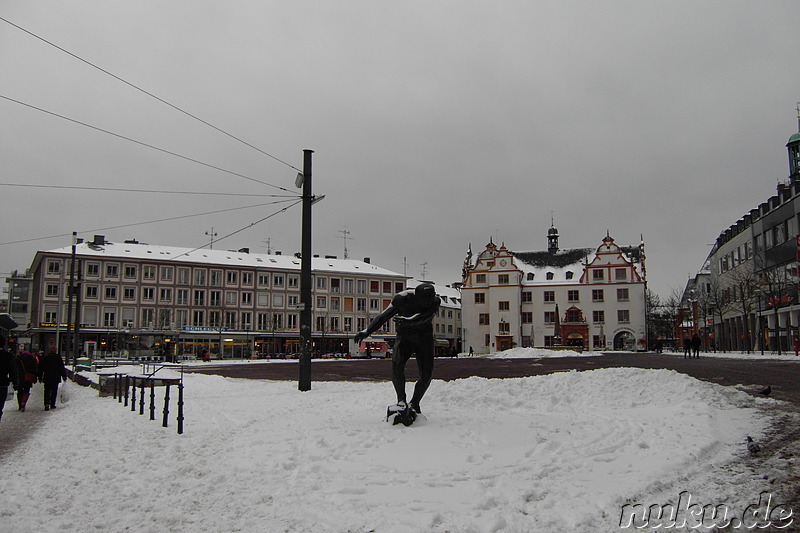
pixel 752 447
pixel 767 391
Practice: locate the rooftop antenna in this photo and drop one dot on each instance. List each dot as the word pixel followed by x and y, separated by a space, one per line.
pixel 798 117
pixel 345 236
pixel 268 242
pixel 405 265
pixel 212 235
pixel 424 271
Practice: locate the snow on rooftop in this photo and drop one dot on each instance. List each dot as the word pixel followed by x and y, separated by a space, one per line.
pixel 141 251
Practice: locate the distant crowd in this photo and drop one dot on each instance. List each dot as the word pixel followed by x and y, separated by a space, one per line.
pixel 19 373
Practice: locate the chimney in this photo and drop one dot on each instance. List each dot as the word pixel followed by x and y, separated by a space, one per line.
pixel 99 240
pixel 244 250
pixel 367 260
pixel 278 253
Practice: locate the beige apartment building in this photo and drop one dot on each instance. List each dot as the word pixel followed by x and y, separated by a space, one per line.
pixel 144 300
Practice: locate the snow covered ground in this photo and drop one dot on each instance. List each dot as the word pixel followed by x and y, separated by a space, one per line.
pixel 562 452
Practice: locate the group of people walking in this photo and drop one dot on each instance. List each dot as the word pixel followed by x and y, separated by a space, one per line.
pixel 25 370
pixel 691 347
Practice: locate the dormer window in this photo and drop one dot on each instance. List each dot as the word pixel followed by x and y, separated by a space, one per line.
pixel 530 276
pixel 550 275
pixel 569 274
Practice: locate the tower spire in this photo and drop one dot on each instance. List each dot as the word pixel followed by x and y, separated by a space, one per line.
pixel 552 237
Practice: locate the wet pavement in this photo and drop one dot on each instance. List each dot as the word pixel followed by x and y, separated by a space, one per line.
pixel 753 374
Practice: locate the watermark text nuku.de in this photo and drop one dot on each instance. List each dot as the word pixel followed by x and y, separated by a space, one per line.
pixel 687 514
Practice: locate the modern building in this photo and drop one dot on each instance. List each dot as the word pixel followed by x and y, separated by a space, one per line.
pixel 586 298
pixel 752 301
pixel 137 299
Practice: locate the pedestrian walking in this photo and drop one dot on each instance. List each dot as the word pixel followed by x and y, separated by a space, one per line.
pixel 471 351
pixel 26 376
pixel 687 347
pixel 8 373
pixel 696 343
pixel 51 372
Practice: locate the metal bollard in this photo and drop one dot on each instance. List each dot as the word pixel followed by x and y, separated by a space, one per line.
pixel 180 409
pixel 152 400
pixel 133 395
pixel 165 422
pixel 127 384
pixel 141 398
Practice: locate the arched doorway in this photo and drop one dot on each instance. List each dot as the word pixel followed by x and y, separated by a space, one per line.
pixel 624 341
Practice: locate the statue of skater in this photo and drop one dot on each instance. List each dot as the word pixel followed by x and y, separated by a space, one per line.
pixel 413 311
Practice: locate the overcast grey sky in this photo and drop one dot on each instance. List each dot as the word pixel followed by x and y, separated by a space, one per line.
pixel 435 124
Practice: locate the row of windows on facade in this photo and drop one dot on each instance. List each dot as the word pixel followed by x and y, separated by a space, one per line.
pixel 573 296
pixel 780 233
pixel 620 274
pixel 598 341
pixel 265 322
pixel 50 311
pixel 201 277
pixel 233 299
pixel 212 298
pixel 598 317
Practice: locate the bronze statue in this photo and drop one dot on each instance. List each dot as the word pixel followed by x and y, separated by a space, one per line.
pixel 413 312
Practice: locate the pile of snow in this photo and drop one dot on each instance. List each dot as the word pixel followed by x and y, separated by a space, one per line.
pixel 537 353
pixel 562 452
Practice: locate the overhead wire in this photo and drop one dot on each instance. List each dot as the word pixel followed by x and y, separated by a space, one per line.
pixel 116 189
pixel 148 93
pixel 241 229
pixel 168 219
pixel 140 142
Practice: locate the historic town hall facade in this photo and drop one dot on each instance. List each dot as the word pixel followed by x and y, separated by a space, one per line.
pixel 585 298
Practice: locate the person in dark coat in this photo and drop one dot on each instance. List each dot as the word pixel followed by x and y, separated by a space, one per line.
pixel 51 372
pixel 696 342
pixel 26 376
pixel 8 373
pixel 687 347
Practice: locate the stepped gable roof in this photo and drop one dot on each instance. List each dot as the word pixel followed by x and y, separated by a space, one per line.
pixel 560 259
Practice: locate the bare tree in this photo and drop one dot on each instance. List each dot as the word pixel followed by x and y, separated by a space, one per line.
pixel 742 289
pixel 779 288
pixel 718 303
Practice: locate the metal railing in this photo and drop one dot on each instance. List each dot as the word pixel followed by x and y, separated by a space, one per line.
pixel 125 389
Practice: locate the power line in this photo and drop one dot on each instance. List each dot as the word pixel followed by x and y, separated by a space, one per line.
pixel 148 93
pixel 148 222
pixel 112 189
pixel 141 143
pixel 244 228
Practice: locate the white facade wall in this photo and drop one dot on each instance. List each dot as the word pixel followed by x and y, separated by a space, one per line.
pixel 530 317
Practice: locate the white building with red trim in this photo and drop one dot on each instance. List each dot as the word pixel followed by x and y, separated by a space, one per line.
pixel 586 298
